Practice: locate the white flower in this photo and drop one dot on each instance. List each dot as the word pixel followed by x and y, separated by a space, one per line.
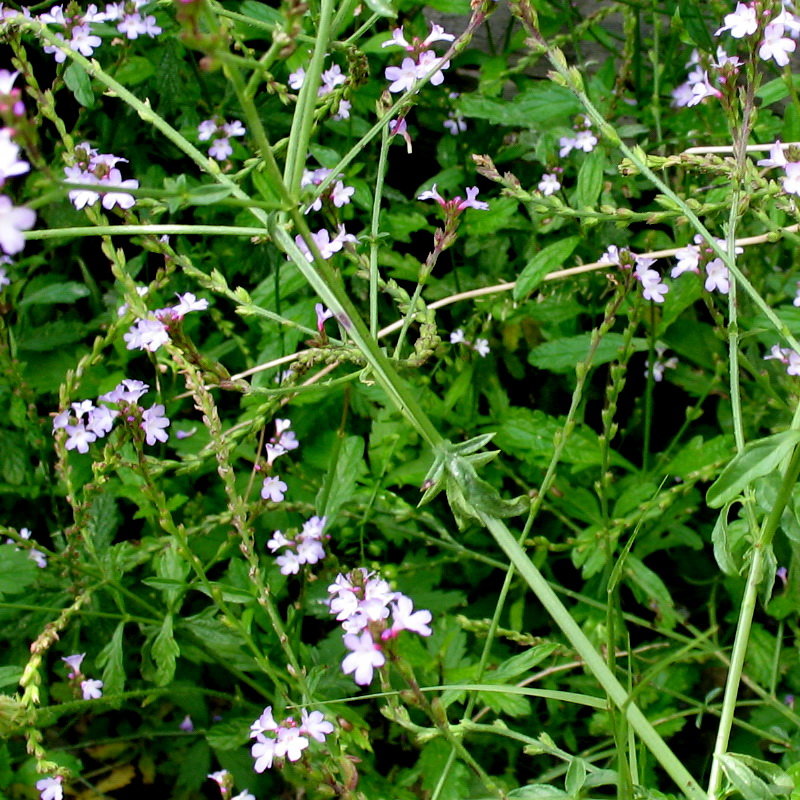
pixel 652 287
pixel 290 743
pixel 776 45
pixel 273 489
pixel 101 420
pixel 688 260
pixel 50 789
pixel 701 90
pixel 364 658
pixel 776 156
pixel 402 77
pixel 310 551
pixel 778 353
pixel 315 725
pixel 397 39
pixel 741 23
pixel 314 527
pixel 585 140
pixel 122 199
pixel 266 722
pixel 84 41
pixel 297 78
pixel 611 256
pixel 794 364
pixel 153 424
pixel 244 795
pixel 206 129
pixel 146 334
pixel 234 128
pixel 717 276
pixel 331 78
pixel 437 34
pixel 289 563
pixel 549 184
pixel 341 194
pixel 481 347
pixel 92 689
pixel 427 63
pixel 273 451
pixel 14 220
pixel 404 618
pixel 457 337
pixel 278 540
pixel 188 302
pixel 343 112
pixel 791 181
pixel 220 149
pixel 263 751
pixel 10 164
pixel 455 122
pixel 79 438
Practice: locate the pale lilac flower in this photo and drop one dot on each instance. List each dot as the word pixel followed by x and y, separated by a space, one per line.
pixel 186 434
pixel 776 46
pixel 289 562
pixel 314 527
pixel 343 111
pixel 796 301
pixel 58 54
pixel 723 60
pixel 244 795
pixel 481 347
pixel 400 128
pixel 13 221
pixel 266 722
pixel 4 279
pixel 81 198
pixel 220 777
pixel 742 22
pixel 471 201
pixel 146 334
pixel 141 291
pixel 220 149
pixel 403 77
pixel 549 184
pixel 341 194
pixel 309 551
pixel 701 90
pixel 688 260
pixel 777 352
pixel 278 540
pixel 782 573
pixel 437 34
pixel 682 95
pixel 129 391
pixel 322 314
pixel 315 725
pixel 153 424
pixel 50 788
pixel 84 407
pixel 717 276
pixel 101 421
pixel 186 724
pixel 398 39
pixel 273 451
pixel 74 663
pixel 432 194
pixel 776 156
pixel 79 438
pixel 297 78
pixel 457 337
pixel 122 199
pixel 652 287
pixel 585 140
pixel 54 17
pixel 290 743
pixel 326 246
pixel 331 78
pixel 188 302
pixel 263 751
pixel 427 64
pixel 10 163
pixel 365 657
pixel 455 122
pixel 404 618
pixel 61 420
pixel 92 689
pixel 567 145
pixel 273 489
pixel 84 41
pixel 234 128
pixel 791 181
pixel 611 256
pixel 206 129
pixel 794 363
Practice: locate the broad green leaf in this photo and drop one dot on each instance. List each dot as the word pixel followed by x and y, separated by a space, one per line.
pixel 195 765
pixel 103 521
pixel 563 355
pixel 575 777
pixel 724 544
pixel 521 663
pixel 546 260
pixel 502 214
pixel 111 659
pixel 694 23
pixel 654 588
pixel 9 676
pixel 135 69
pixel 450 6
pixel 261 12
pixel 79 83
pixel 590 179
pixel 744 779
pixel 382 8
pixel 756 459
pixel 17 570
pixel 230 734
pixel 165 652
pixel 535 107
pixel 776 90
pixel 339 482
pixel 697 456
pixel 172 566
pixel 51 335
pixel 67 292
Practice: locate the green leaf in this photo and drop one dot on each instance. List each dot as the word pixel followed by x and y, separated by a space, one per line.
pixel 111 658
pixel 536 107
pixel 590 179
pixel 17 570
pixel 776 90
pixel 745 779
pixel 653 587
pixel 538 791
pixel 521 663
pixel 546 260
pixel 103 521
pixel 450 6
pixel 722 537
pixel 563 355
pixel 165 653
pixel 698 456
pixel 756 459
pixel 229 735
pixel 134 69
pixel 9 676
pixel 501 214
pixel 67 292
pixel 175 569
pixel 576 776
pixel 339 482
pixel 79 83
pixel 381 7
pixel 693 22
pixel 51 335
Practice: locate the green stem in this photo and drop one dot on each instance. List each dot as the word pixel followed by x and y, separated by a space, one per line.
pixel 375 230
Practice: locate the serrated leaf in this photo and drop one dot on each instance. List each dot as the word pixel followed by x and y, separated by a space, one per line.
pixel 17 570
pixel 756 459
pixel 165 653
pixel 80 84
pixel 229 735
pixel 111 660
pixel 546 260
pixel 535 107
pixel 103 521
pixel 51 335
pixel 339 482
pixel 590 179
pixel 67 292
pixel 563 355
pixel 744 779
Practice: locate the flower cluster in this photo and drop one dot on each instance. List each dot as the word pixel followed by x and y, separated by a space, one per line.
pixel 86 422
pixel 78 35
pixel 151 333
pixel 220 133
pixel 13 220
pixel 303 548
pixel 424 61
pixel 99 171
pixel 753 19
pixel 327 246
pixel 697 85
pixel 286 739
pixel 652 287
pixel 224 780
pixel 91 689
pixel 584 139
pixel 331 79
pixel 364 603
pixel 481 346
pixel 339 195
pixel 456 205
pixel 35 555
pixel 660 365
pixel 695 256
pixel 791 165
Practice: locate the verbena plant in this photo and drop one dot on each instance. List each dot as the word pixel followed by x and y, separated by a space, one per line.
pixel 386 416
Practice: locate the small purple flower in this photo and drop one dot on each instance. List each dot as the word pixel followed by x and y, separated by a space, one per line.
pixel 153 424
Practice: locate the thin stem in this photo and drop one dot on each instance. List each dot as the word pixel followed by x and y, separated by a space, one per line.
pixel 375 231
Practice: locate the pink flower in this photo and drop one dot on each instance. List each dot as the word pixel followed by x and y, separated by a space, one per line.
pixel 717 276
pixel 366 655
pixel 403 77
pixel 315 725
pixel 273 489
pixel 263 751
pixel 404 618
pixel 153 424
pixel 776 46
